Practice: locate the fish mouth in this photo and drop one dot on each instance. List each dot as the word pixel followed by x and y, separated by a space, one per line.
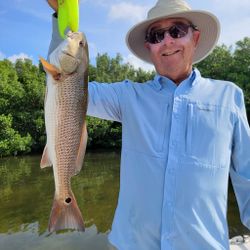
pixel 170 53
pixel 68 54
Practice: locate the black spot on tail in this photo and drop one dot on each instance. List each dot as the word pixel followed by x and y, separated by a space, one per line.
pixel 68 200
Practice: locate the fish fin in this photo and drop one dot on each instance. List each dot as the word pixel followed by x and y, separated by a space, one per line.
pixel 65 214
pixel 51 69
pixel 82 149
pixel 45 161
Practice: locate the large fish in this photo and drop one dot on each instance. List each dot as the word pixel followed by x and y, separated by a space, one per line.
pixel 65 112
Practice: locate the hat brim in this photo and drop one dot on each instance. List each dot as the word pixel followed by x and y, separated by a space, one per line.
pixel 207 23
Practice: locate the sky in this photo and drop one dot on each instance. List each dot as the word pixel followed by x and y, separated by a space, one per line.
pixel 26 25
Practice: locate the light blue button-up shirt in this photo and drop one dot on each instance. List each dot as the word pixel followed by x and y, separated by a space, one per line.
pixel 179 144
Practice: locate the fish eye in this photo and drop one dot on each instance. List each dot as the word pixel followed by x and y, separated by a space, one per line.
pixel 81 43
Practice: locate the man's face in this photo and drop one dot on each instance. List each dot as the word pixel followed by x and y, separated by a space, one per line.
pixel 173 57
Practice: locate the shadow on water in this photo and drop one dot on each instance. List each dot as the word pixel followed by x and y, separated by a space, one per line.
pixel 26 198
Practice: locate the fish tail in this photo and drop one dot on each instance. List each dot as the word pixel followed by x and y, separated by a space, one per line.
pixel 65 214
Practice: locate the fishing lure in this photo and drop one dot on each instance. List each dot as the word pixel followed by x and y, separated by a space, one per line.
pixel 68 16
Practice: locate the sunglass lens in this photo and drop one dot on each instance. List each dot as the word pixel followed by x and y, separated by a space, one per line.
pixel 158 36
pixel 178 31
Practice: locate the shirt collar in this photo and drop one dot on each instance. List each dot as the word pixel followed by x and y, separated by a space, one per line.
pixel 161 81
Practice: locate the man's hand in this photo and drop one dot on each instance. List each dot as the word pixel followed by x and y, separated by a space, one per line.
pixel 53 4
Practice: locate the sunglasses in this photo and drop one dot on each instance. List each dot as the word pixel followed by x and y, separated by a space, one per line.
pixel 176 31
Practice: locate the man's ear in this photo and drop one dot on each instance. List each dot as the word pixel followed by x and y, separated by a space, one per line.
pixel 196 37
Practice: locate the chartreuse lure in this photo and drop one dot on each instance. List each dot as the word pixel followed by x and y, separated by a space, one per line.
pixel 68 16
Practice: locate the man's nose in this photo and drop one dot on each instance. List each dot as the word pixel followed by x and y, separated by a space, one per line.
pixel 168 39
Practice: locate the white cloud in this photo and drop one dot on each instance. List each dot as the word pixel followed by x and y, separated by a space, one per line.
pixel 128 11
pixel 227 8
pixel 2 55
pixel 235 31
pixel 21 56
pixel 101 3
pixel 137 63
pixel 225 4
pixel 13 58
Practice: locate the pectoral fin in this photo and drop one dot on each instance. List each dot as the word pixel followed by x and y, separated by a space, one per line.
pixel 82 149
pixel 45 161
pixel 51 69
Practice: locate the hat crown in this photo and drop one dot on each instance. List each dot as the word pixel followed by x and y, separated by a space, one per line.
pixel 168 7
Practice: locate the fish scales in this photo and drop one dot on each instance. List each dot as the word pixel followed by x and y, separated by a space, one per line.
pixel 69 129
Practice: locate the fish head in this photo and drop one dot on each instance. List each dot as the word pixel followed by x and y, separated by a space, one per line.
pixel 71 56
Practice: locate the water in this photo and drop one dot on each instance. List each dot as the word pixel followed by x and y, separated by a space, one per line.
pixel 26 198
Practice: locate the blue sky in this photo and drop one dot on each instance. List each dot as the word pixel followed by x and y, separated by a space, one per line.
pixel 26 25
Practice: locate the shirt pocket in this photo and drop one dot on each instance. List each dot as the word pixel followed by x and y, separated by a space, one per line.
pixel 203 134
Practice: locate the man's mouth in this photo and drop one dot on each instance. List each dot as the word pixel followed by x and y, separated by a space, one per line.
pixel 170 53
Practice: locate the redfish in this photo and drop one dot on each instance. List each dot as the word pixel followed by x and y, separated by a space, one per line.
pixel 65 112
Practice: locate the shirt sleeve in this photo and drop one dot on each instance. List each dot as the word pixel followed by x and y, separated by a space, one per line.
pixel 56 38
pixel 240 164
pixel 105 101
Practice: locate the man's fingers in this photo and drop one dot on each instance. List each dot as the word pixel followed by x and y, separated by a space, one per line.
pixel 53 4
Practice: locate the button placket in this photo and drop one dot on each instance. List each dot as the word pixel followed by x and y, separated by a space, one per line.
pixel 170 177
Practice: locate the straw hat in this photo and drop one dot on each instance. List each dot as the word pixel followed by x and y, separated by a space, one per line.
pixel 206 22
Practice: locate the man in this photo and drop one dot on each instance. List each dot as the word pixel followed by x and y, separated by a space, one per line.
pixel 181 136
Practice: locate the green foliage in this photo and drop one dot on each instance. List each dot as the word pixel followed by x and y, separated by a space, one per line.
pixel 218 65
pixel 242 68
pixel 11 141
pixel 103 133
pixel 114 70
pixel 29 117
pixel 22 87
pixel 231 65
pixel 11 91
